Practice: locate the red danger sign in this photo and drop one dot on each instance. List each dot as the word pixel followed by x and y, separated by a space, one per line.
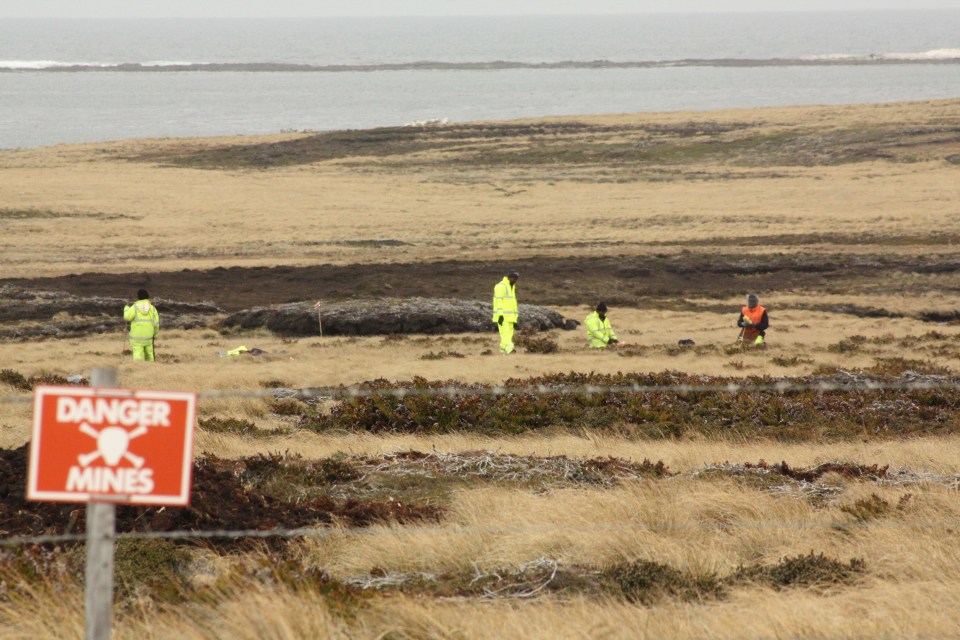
pixel 116 445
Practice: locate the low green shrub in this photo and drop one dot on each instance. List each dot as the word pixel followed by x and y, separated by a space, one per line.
pixel 289 476
pixel 537 344
pixel 240 427
pixel 440 355
pixel 19 381
pixel 149 565
pixel 898 366
pixel 14 379
pixel 848 345
pixel 291 407
pixel 646 582
pixel 801 415
pixel 791 361
pixel 802 571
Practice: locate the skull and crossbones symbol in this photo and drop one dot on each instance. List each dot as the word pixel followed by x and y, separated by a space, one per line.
pixel 112 444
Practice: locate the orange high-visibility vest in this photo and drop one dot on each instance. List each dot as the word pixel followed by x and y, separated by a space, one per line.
pixel 754 315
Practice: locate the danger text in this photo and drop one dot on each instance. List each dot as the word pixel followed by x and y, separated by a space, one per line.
pixel 114 411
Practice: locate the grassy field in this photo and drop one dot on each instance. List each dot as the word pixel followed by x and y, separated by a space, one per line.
pixel 666 515
pixel 633 184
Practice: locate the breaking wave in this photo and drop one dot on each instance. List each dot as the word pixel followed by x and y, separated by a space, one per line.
pixel 935 56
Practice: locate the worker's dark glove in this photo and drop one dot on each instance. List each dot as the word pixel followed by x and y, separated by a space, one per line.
pixel 613 341
pixel 500 320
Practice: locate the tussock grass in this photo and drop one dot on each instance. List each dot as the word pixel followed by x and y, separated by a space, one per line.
pixel 19 382
pixel 874 296
pixel 895 612
pixel 252 612
pixel 686 524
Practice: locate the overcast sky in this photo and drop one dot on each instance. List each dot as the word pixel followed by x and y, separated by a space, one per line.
pixel 305 8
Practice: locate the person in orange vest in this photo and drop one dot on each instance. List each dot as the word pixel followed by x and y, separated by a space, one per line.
pixel 754 321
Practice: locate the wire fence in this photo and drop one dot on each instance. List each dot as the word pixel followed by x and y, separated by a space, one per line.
pixel 852 383
pixel 453 529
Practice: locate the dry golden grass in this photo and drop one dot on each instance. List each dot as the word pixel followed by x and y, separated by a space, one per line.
pixel 136 216
pixel 174 218
pixel 56 611
pixel 914 610
pixel 42 610
pixel 702 527
pixel 697 525
pixel 919 610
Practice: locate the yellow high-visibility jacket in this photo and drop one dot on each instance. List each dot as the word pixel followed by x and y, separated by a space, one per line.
pixel 599 332
pixel 144 320
pixel 505 301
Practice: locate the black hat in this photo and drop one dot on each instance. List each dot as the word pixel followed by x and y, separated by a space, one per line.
pixel 602 307
pixel 513 275
pixel 142 294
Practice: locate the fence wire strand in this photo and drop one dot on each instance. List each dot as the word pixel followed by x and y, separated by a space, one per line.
pixel 929 383
pixel 408 530
pixel 854 383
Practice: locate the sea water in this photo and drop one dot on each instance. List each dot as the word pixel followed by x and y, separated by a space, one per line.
pixel 67 81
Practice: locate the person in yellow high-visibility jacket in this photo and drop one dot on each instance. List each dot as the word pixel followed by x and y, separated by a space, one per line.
pixel 600 333
pixel 505 312
pixel 144 326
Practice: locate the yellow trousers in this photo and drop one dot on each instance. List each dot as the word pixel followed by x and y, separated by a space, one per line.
pixel 142 350
pixel 506 336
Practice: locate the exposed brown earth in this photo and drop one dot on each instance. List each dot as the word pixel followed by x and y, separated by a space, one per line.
pixel 29 313
pixel 219 500
pixel 376 299
pixel 634 281
pixel 744 144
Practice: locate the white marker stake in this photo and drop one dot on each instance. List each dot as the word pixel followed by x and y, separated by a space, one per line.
pixel 319 317
pixel 101 528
